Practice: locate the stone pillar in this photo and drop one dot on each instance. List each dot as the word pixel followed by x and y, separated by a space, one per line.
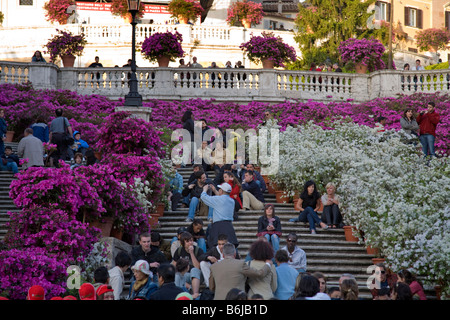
pixel 114 246
pixel 143 113
pixel 43 75
pixel 384 83
pixel 267 87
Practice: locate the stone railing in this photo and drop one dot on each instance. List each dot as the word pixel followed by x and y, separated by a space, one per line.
pixel 240 85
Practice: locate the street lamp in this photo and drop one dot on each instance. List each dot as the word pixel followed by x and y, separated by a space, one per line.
pixel 133 98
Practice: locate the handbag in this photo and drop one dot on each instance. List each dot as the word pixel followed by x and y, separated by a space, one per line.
pixel 68 139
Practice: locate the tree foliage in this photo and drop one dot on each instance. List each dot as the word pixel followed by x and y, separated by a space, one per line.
pixel 324 24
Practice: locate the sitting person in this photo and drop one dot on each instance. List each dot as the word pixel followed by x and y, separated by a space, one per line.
pixel 176 187
pixel 252 196
pixel 79 145
pixel 192 253
pixel 297 257
pixel 308 204
pixel 175 242
pixel 78 161
pixel 194 190
pixel 269 226
pixel 379 125
pixel 10 161
pixel 331 212
pixel 182 273
pixel 196 229
pixel 143 286
pixel 256 176
pixel 213 255
pixel 235 191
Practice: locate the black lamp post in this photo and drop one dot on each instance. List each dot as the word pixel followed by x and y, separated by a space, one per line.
pixel 133 98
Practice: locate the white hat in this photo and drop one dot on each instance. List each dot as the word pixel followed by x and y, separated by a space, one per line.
pixel 225 187
pixel 143 266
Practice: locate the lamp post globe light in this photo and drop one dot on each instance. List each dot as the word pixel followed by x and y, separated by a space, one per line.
pixel 133 98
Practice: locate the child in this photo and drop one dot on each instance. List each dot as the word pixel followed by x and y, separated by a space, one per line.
pixel 181 280
pixel 78 161
pixel 379 126
pixel 78 146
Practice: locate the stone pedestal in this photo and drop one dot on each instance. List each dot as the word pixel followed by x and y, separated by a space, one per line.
pixel 114 246
pixel 138 112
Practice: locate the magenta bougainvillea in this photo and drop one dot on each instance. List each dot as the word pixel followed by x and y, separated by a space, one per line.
pixel 65 43
pixel 163 44
pixel 249 10
pixel 368 52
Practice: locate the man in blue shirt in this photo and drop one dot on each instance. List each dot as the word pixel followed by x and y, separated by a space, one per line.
pixel 176 187
pixel 223 211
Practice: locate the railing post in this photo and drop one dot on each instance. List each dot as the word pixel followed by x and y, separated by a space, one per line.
pixel 67 79
pixel 268 84
pixel 164 83
pixel 43 75
pixel 360 87
pixel 384 83
pixel 186 32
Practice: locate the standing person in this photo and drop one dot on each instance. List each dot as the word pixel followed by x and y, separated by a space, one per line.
pixel 40 129
pixel 428 121
pixel 222 215
pixel 308 204
pixel 116 274
pixel 232 273
pixel 31 148
pixel 96 64
pixel 409 123
pixel 418 66
pixel 297 257
pixel 269 227
pixel 58 130
pixel 37 57
pixel 286 276
pixel 3 129
pixel 261 251
pixel 194 64
pixel 331 211
pixel 188 124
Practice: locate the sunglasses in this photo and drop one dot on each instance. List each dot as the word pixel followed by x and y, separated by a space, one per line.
pixel 291 240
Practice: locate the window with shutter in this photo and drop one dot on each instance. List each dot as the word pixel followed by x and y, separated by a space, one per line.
pixel 447 20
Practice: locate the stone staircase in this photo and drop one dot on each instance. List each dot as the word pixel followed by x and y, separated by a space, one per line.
pixel 327 251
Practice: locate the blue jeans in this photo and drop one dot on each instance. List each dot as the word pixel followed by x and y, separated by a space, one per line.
pixel 10 166
pixel 201 242
pixel 311 216
pixel 274 240
pixel 427 141
pixel 193 207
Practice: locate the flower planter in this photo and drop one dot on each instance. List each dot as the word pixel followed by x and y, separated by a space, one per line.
pixel 160 209
pixel 281 196
pixel 378 260
pixel 9 136
pixel 361 68
pixel 105 225
pixel 153 220
pixel 371 250
pixel 268 64
pixel 349 234
pixel 98 155
pixel 117 233
pixel 163 61
pixel 68 60
pixel 247 24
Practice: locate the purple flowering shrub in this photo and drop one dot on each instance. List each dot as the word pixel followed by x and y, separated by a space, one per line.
pixel 65 43
pixel 368 52
pixel 23 268
pixel 163 44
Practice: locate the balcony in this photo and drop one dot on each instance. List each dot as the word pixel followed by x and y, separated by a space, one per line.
pixel 234 85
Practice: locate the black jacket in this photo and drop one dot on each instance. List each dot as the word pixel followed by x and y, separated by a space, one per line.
pixel 168 291
pixel 154 255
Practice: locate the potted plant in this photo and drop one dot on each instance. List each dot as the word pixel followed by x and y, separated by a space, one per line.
pixel 185 10
pixel 244 12
pixel 163 47
pixel 67 46
pixel 432 39
pixel 366 54
pixel 56 10
pixel 120 8
pixel 270 49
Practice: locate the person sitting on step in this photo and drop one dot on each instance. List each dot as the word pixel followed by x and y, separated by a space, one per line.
pixel 252 196
pixel 194 190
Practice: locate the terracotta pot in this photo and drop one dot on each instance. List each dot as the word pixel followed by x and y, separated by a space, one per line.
pixel 183 20
pixel 247 24
pixel 281 196
pixel 117 233
pixel 270 188
pixel 378 260
pixel 98 155
pixel 127 19
pixel 371 250
pixel 105 225
pixel 9 136
pixel 268 64
pixel 266 179
pixel 160 209
pixel 360 68
pixel 68 60
pixel 349 234
pixel 153 221
pixel 163 61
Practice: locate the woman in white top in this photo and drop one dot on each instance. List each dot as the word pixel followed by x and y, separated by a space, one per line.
pixel 331 211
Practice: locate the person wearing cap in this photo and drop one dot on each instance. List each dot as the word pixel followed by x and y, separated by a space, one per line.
pixel 36 292
pixel 105 292
pixel 223 211
pixel 166 280
pixel 142 287
pixel 87 291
